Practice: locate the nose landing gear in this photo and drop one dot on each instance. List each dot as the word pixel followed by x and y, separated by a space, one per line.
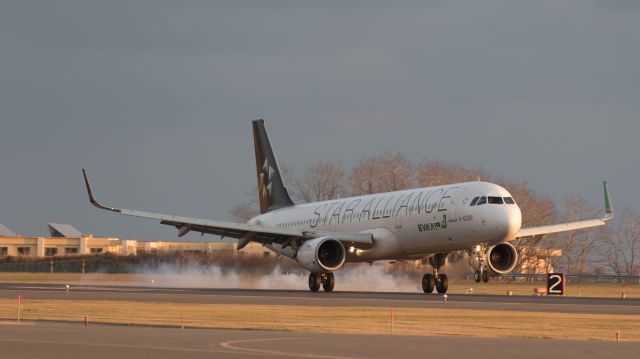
pixel 481 275
pixel 437 280
pixel 477 260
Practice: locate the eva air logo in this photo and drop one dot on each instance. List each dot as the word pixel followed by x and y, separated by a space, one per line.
pixel 433 226
pixel 266 177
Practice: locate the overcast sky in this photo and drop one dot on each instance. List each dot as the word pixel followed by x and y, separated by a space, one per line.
pixel 155 98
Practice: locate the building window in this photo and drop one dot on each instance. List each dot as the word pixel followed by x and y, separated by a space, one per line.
pixel 71 250
pixel 96 250
pixel 24 251
pixel 50 252
pixel 4 251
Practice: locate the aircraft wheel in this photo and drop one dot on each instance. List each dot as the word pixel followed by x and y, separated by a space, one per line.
pixel 428 282
pixel 485 276
pixel 328 282
pixel 315 281
pixel 442 284
pixel 476 276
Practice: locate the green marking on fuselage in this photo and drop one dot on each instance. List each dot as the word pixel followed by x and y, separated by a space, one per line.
pixel 433 226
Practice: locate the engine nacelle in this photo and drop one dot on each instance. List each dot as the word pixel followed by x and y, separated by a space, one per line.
pixel 322 255
pixel 498 260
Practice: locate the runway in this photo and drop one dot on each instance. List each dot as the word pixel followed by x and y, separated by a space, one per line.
pixel 322 299
pixel 70 341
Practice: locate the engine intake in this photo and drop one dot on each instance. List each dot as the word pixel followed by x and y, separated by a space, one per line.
pixel 502 258
pixel 322 255
pixel 498 260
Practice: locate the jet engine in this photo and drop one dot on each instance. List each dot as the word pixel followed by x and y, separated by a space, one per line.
pixel 499 259
pixel 321 255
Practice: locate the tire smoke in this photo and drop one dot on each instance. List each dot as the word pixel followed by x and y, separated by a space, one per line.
pixel 359 277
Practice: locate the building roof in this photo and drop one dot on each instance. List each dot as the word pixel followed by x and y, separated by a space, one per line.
pixel 63 230
pixel 6 232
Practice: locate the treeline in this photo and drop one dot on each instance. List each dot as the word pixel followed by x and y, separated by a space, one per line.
pixel 612 249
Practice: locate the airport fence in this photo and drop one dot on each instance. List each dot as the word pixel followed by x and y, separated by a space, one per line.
pixel 583 278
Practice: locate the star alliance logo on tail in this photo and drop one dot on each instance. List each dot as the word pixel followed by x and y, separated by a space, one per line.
pixel 267 171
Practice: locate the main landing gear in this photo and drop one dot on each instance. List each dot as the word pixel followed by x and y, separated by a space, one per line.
pixel 437 280
pixel 326 280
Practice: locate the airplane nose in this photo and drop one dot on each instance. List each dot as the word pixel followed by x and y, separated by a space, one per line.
pixel 508 220
pixel 512 220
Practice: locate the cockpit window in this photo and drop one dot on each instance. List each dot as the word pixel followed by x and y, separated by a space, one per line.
pixel 495 200
pixel 508 200
pixel 482 200
pixel 474 201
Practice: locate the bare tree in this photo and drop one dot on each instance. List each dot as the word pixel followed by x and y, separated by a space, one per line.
pixel 320 181
pixel 245 210
pixel 384 173
pixel 576 246
pixel 437 173
pixel 363 177
pixel 620 251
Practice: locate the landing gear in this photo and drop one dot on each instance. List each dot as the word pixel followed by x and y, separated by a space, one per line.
pixel 327 281
pixel 315 280
pixel 437 280
pixel 481 276
pixel 428 282
pixel 477 259
pixel 442 284
pixel 485 276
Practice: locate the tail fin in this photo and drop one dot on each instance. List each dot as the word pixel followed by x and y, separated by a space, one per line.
pixel 608 207
pixel 271 189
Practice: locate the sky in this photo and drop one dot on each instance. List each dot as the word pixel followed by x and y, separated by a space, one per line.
pixel 155 98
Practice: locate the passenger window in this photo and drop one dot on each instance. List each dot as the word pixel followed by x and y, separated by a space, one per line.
pixel 495 200
pixel 481 201
pixel 474 201
pixel 508 200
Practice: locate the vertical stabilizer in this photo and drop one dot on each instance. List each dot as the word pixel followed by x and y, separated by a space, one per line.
pixel 271 189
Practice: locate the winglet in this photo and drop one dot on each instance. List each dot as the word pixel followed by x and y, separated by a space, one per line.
pixel 608 208
pixel 92 199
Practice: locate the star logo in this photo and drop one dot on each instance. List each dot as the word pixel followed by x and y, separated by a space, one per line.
pixel 266 177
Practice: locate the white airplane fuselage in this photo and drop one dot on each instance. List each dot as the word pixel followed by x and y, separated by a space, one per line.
pixel 408 224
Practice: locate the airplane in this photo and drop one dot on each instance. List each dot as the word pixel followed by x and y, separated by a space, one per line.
pixel 415 224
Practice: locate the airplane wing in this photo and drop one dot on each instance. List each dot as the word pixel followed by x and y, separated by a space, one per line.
pixel 571 226
pixel 245 233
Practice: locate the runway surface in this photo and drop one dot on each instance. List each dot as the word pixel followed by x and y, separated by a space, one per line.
pixel 322 299
pixel 70 341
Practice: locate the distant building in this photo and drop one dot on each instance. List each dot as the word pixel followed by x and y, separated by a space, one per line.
pixel 63 230
pixel 6 232
pixel 66 240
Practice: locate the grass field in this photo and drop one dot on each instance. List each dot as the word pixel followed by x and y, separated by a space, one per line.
pixel 364 320
pixel 585 289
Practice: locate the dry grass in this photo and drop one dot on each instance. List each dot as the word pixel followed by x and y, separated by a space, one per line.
pixel 365 320
pixel 73 278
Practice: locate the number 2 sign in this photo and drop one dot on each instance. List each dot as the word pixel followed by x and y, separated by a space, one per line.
pixel 555 283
